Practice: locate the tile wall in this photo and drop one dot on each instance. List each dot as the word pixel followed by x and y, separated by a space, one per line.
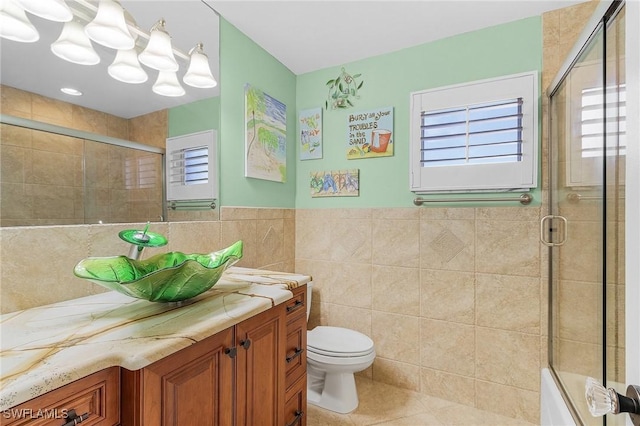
pixel 37 262
pixel 452 297
pixel 49 179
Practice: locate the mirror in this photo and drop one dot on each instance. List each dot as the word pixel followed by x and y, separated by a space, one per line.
pixel 32 76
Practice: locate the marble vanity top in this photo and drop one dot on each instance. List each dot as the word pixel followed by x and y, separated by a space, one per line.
pixel 46 347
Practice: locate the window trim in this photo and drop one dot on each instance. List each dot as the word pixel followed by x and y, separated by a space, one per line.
pixel 493 177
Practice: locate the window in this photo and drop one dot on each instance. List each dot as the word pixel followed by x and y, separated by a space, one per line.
pixel 475 136
pixel 597 111
pixel 142 172
pixel 191 167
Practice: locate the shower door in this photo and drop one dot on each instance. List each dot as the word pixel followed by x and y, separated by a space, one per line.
pixel 585 230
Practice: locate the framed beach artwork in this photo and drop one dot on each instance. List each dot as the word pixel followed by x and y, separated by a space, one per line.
pixel 370 134
pixel 335 183
pixel 310 143
pixel 265 136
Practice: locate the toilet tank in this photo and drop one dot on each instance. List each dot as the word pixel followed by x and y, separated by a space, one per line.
pixel 309 293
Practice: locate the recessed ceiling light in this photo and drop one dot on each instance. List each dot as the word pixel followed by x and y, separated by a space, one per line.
pixel 71 91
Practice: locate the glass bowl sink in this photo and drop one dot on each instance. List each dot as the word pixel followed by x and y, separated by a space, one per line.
pixel 167 277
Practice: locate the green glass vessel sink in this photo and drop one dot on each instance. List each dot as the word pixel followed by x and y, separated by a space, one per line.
pixel 167 277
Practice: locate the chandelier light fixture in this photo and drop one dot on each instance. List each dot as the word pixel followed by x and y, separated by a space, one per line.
pixel 199 74
pixel 53 10
pixel 109 25
pixel 14 23
pixel 159 54
pixel 73 45
pixel 167 84
pixel 126 68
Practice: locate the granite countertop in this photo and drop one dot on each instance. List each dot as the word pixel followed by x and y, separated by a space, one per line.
pixel 46 347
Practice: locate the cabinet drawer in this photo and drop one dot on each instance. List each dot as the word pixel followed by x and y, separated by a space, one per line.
pixel 298 304
pixel 296 352
pixel 295 407
pixel 97 395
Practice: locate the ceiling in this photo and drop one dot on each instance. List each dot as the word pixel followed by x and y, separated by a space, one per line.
pixel 307 35
pixel 304 35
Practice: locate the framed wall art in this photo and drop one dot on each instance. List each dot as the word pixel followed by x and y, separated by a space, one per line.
pixel 265 136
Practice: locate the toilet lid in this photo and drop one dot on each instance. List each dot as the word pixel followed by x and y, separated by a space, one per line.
pixel 338 341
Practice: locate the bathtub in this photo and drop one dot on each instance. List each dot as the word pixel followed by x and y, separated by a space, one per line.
pixel 553 410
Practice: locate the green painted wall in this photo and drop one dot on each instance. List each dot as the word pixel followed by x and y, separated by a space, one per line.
pixel 194 117
pixel 243 61
pixel 388 80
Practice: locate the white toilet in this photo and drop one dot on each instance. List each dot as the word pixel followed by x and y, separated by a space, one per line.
pixel 334 354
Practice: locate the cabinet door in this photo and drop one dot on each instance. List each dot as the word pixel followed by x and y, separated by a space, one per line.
pixel 260 369
pixel 193 387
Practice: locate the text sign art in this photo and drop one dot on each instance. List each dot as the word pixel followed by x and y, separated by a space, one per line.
pixel 370 134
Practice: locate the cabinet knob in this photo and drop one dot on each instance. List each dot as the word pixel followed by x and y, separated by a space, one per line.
pixel 245 343
pixel 231 352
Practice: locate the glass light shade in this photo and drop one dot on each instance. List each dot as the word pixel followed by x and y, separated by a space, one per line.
pixel 74 46
pixel 167 84
pixel 199 73
pixel 109 27
pixel 159 54
pixel 126 68
pixel 14 24
pixel 53 10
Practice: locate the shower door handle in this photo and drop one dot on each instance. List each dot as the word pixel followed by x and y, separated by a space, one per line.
pixel 547 227
pixel 603 401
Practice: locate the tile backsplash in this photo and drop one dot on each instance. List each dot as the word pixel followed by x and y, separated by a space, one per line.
pixel 37 262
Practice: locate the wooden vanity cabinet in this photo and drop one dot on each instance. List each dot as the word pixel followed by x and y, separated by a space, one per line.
pixel 251 374
pixel 295 409
pixel 95 397
pixel 236 377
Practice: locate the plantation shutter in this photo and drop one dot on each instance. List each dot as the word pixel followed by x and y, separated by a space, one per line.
pixel 191 167
pixel 485 133
pixel 477 136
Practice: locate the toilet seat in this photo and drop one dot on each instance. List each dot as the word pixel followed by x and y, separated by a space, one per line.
pixel 338 342
pixel 314 358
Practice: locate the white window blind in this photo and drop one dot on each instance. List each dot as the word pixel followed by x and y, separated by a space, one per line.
pixel 142 172
pixel 485 133
pixel 191 170
pixel 477 136
pixel 593 124
pixel 190 166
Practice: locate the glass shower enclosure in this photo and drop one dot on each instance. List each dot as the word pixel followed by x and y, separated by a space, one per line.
pixel 585 228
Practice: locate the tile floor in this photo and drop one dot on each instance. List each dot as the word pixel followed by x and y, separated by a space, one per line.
pixel 382 404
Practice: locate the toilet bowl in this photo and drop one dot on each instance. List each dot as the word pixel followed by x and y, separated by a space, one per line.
pixel 334 354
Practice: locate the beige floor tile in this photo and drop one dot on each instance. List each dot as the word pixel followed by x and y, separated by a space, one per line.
pixel 469 416
pixel 382 404
pixel 319 417
pixel 422 419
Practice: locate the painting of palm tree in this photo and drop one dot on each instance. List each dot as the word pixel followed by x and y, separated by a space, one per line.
pixel 265 136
